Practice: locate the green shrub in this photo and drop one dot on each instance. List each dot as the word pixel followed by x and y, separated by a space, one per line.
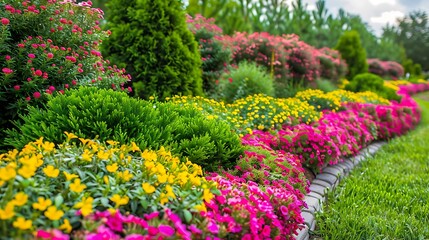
pixel 108 115
pixel 151 40
pixel 245 80
pixel 371 82
pixel 326 85
pixel 350 47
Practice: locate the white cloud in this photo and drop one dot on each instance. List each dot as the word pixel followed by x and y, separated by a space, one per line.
pixel 388 17
pixel 379 2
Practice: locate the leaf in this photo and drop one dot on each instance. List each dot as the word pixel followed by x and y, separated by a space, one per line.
pixel 58 200
pixel 187 215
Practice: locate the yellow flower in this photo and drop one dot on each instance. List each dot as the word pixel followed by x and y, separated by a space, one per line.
pixel 201 208
pixel 69 176
pixel 76 186
pixel 87 155
pixel 162 178
pixel 48 146
pixel 66 226
pixel 84 141
pixel 112 168
pixel 126 175
pixel 149 164
pixel 207 195
pixel 148 188
pixel 7 173
pixel 42 204
pixel 149 155
pixel 118 200
pixel 8 212
pixel 53 213
pixel 20 199
pixel 51 171
pixel 134 147
pixel 85 206
pixel 39 142
pixel 106 179
pixel 22 224
pixel 103 155
pixel 111 142
pixel 27 171
pixel 70 136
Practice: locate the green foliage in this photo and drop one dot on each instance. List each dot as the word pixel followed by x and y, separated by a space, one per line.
pixel 109 115
pixel 245 80
pixel 371 82
pixel 151 40
pixel 350 47
pixel 326 85
pixel 388 193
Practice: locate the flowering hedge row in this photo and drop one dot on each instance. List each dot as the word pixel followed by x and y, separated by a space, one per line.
pixel 386 69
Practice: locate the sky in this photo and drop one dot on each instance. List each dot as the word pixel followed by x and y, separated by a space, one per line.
pixel 377 13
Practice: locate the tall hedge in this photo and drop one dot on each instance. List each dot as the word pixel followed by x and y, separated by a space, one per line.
pixel 151 40
pixel 351 49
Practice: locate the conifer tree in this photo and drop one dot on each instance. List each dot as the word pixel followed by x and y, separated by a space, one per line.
pixel 151 40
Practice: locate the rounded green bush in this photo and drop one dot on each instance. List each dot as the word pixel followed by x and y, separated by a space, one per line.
pixel 351 49
pixel 109 115
pixel 371 82
pixel 247 79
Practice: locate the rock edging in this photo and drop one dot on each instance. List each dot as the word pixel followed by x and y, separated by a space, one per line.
pixel 325 182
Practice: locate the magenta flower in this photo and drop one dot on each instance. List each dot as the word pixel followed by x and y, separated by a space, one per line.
pixel 5 21
pixel 166 230
pixel 7 71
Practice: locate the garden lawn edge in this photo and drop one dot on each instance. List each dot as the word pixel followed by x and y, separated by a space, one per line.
pixel 325 182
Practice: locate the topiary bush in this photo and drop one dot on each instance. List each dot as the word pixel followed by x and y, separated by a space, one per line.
pixel 151 40
pixel 214 55
pixel 245 80
pixel 371 82
pixel 350 47
pixel 109 115
pixel 47 47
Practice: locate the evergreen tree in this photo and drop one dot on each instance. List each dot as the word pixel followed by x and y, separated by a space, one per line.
pixel 151 40
pixel 350 47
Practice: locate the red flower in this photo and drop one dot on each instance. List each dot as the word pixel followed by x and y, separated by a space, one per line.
pixel 74 82
pixel 37 95
pixel 38 73
pixel 50 55
pixel 5 21
pixel 17 87
pixel 7 71
pixel 230 80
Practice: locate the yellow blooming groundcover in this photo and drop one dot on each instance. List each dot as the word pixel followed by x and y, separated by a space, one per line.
pixel 44 186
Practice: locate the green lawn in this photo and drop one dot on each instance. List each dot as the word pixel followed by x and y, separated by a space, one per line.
pixel 387 197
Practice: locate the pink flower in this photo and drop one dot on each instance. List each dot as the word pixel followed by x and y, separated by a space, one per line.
pixel 31 55
pixel 166 230
pixel 38 73
pixel 17 87
pixel 74 83
pixel 7 57
pixel 37 95
pixel 50 55
pixel 135 237
pixel 5 21
pixel 213 227
pixel 151 215
pixel 27 99
pixel 7 71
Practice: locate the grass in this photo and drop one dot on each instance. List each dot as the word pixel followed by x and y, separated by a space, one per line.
pixel 387 197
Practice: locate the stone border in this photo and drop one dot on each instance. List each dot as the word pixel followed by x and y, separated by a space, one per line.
pixel 327 181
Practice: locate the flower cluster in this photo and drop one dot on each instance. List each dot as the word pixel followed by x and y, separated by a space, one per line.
pixel 48 47
pixel 332 66
pixel 386 69
pixel 320 100
pixel 49 188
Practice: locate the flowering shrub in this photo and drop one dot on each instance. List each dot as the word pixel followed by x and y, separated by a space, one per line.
pixel 385 69
pixel 244 207
pixel 42 193
pixel 214 55
pixel 255 111
pixel 332 66
pixel 319 99
pixel 47 47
